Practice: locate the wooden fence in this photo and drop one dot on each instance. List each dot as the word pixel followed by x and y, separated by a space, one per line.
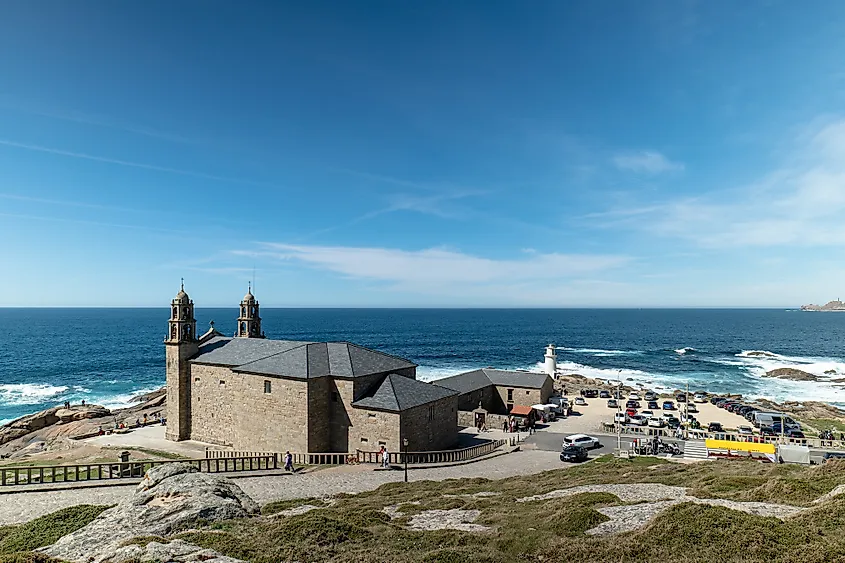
pixel 445 456
pixel 32 475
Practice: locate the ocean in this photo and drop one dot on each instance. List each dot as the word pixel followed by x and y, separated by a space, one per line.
pixel 105 356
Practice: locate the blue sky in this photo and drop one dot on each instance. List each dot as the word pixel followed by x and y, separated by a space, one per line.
pixel 634 154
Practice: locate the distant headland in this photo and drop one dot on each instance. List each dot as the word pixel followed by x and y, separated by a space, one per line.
pixel 835 305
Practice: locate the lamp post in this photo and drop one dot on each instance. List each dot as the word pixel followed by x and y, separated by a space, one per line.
pixel 619 409
pixel 405 444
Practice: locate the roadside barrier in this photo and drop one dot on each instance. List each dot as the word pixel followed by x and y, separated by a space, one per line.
pixel 445 456
pixel 31 475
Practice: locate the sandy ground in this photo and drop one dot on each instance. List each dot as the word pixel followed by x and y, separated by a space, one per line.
pixel 152 438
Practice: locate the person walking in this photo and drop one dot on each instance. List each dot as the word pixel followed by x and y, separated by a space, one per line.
pixel 385 458
pixel 288 461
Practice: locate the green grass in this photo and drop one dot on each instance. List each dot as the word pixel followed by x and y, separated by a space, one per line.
pixel 280 505
pixel 824 424
pixel 355 528
pixel 17 542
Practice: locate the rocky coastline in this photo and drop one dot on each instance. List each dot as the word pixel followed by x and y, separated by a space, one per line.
pixel 835 305
pixel 55 429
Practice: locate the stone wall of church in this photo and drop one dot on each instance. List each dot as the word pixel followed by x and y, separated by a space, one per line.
pixel 319 415
pixel 233 409
pixel 488 397
pixel 526 397
pixel 431 427
pixel 373 429
pixel 177 376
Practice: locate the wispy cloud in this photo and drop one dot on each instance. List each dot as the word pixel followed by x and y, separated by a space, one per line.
pixel 438 268
pixel 119 162
pixel 799 204
pixel 648 162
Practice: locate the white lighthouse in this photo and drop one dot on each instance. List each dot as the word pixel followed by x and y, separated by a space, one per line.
pixel 551 360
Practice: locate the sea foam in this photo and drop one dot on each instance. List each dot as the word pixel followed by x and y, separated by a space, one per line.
pixel 28 393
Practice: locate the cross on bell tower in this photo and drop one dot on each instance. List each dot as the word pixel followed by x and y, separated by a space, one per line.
pixel 249 321
pixel 182 327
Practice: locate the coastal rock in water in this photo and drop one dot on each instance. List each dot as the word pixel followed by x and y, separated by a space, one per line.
pixel 147 397
pixel 792 374
pixel 168 499
pixel 830 372
pixel 761 353
pixel 26 424
pixel 835 305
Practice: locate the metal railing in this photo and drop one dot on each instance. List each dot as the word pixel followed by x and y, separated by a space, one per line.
pixel 31 475
pixel 443 456
pixel 336 458
pixel 701 434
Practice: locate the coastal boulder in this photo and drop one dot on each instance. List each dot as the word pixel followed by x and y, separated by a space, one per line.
pixel 79 412
pixel 792 374
pixel 26 424
pixel 169 498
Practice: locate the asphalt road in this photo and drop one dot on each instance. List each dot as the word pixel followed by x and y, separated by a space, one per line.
pixel 552 441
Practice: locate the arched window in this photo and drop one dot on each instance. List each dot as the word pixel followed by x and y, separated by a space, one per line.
pixel 243 328
pixel 243 311
pixel 254 329
pixel 175 312
pixel 173 332
pixel 253 311
pixel 184 314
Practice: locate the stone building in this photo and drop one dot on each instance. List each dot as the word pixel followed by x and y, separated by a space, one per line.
pixel 258 394
pixel 497 391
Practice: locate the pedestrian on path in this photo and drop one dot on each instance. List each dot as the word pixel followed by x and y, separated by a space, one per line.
pixel 385 458
pixel 288 461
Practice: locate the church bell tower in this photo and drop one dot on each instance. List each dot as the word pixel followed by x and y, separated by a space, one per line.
pixel 249 321
pixel 180 346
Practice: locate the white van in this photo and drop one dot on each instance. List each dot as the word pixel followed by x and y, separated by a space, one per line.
pixel 769 418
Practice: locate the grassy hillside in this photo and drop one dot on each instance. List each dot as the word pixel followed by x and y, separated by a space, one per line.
pixel 17 542
pixel 356 529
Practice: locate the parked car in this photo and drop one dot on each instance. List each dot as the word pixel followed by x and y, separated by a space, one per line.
pixel 650 396
pixel 647 414
pixel 715 427
pixel 580 401
pixel 590 393
pixel 632 404
pixel 630 412
pixel 767 431
pixel 832 455
pixel 691 407
pixel 668 406
pixel 744 430
pixel 793 433
pixel 612 404
pixel 749 416
pixel 653 405
pixel 714 400
pixel 621 417
pixel 604 394
pixel 681 397
pixel 581 440
pixel 672 422
pixel 700 398
pixel 655 422
pixel 574 454
pixel 720 401
pixel 634 397
pixel 742 411
pixel 637 420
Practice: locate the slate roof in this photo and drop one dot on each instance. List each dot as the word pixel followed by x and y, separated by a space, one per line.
pixel 481 378
pixel 397 393
pixel 296 359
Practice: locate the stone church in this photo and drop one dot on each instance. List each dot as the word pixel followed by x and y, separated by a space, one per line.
pixel 257 394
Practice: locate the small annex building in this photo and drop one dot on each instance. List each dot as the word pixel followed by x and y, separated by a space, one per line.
pixel 498 391
pixel 257 394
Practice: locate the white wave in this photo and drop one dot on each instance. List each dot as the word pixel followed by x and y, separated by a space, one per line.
pixel 122 400
pixel 28 393
pixel 759 362
pixel 683 351
pixel 5 421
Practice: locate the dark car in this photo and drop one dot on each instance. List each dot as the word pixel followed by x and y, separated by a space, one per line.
pixel 715 427
pixel 714 400
pixel 612 404
pixel 767 431
pixel 749 416
pixel 744 410
pixel 720 402
pixel 573 454
pixel 604 394
pixel 832 455
pixel 793 433
pixel 668 406
pixel 673 423
pixel 653 405
pixel 632 405
pixel 735 407
pixel 590 393
pixel 681 397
